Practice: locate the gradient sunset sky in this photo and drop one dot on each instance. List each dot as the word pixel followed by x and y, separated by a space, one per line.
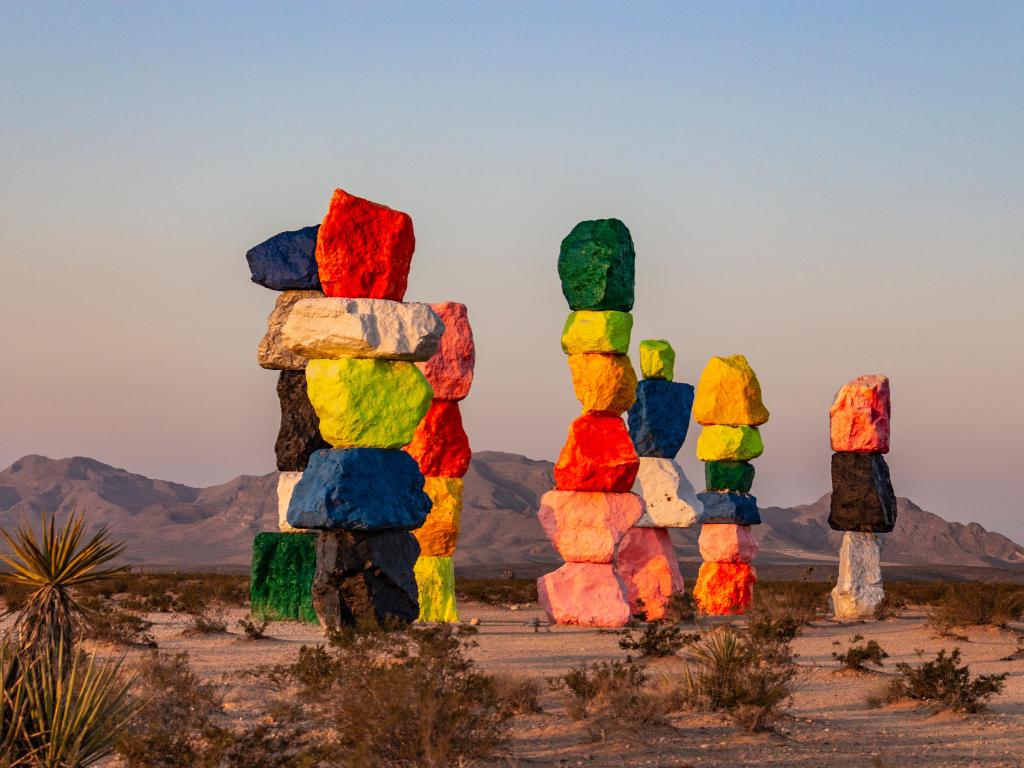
pixel 831 189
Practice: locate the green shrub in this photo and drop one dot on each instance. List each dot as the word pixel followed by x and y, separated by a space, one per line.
pixel 657 639
pixel 612 695
pixel 107 623
pixel 945 683
pixel 857 657
pixel 517 695
pixel 965 605
pixel 253 628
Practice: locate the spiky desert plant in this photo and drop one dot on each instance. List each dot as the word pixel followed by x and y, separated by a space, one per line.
pixel 52 565
pixel 13 706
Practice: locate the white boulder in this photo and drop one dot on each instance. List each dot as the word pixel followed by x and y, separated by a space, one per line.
pixel 285 485
pixel 670 498
pixel 858 589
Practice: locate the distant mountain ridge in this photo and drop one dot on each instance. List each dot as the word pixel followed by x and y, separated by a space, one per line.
pixel 170 525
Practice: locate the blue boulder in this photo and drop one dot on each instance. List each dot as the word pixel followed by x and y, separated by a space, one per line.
pixel 286 262
pixel 359 489
pixel 732 508
pixel 660 417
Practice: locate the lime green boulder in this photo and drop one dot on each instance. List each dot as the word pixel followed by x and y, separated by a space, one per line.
pixel 596 266
pixel 589 331
pixel 435 578
pixel 281 584
pixel 657 359
pixel 367 403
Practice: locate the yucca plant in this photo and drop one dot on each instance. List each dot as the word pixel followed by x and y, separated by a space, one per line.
pixel 14 750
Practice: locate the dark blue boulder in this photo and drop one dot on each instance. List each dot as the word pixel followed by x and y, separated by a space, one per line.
pixel 359 489
pixel 286 262
pixel 660 417
pixel 732 508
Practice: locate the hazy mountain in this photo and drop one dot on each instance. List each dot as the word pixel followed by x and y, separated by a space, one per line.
pixel 172 525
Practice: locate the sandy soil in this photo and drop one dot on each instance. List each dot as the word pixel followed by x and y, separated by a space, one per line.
pixel 831 723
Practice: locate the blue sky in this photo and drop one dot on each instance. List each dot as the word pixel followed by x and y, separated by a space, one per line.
pixel 831 189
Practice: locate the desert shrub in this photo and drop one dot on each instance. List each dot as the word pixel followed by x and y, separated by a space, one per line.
pixel 656 639
pixel 857 657
pixel 965 605
pixel 681 608
pixel 946 683
pixel 612 695
pixel 904 593
pixel 205 624
pixel 107 623
pixel 802 601
pixel 497 591
pixel 253 628
pixel 517 695
pixel 182 592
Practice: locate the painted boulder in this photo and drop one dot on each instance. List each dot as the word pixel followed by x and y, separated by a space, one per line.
pixel 724 589
pixel 729 509
pixel 439 534
pixel 587 594
pixel 727 443
pixel 598 456
pixel 596 264
pixel 862 495
pixel 729 393
pixel 660 417
pixel 272 352
pixel 286 261
pixel 657 359
pixel 859 417
pixel 727 544
pixel 603 383
pixel 440 445
pixel 450 370
pixel 593 331
pixel 587 527
pixel 648 567
pixel 299 434
pixel 670 498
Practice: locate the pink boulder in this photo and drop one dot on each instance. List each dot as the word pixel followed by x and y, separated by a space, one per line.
pixel 648 566
pixel 450 370
pixel 860 416
pixel 586 527
pixel 724 543
pixel 588 594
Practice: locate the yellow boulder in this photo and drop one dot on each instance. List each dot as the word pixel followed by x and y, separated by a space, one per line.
pixel 657 359
pixel 589 330
pixel 440 533
pixel 603 383
pixel 729 393
pixel 725 443
pixel 435 581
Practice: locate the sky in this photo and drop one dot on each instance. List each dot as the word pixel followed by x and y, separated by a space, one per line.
pixel 831 189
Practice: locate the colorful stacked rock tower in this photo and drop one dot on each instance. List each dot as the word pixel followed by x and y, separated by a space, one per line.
pixel 863 501
pixel 729 406
pixel 441 448
pixel 658 423
pixel 592 507
pixel 351 398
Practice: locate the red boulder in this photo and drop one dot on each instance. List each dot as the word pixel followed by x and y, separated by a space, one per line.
pixel 440 445
pixel 598 456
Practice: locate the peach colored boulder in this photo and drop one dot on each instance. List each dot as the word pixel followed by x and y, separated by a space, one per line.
pixel 859 416
pixel 648 566
pixel 450 370
pixel 586 527
pixel 588 594
pixel 723 543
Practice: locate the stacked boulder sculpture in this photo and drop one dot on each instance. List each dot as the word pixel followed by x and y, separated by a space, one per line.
pixel 351 398
pixel 863 502
pixel 592 506
pixel 729 406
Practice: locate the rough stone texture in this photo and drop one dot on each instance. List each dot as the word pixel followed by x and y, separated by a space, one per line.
pixel 597 456
pixel 727 544
pixel 272 353
pixel 660 417
pixel 299 434
pixel 596 265
pixel 359 489
pixel 724 589
pixel 590 331
pixel 670 499
pixel 440 445
pixel 729 509
pixel 858 589
pixel 440 533
pixel 657 359
pixel 329 328
pixel 450 370
pixel 603 383
pixel 367 403
pixel 859 416
pixel 435 578
pixel 862 494
pixel 365 578
pixel 724 443
pixel 587 594
pixel 728 393
pixel 286 483
pixel 286 261
pixel 648 567
pixel 735 476
pixel 281 582
pixel 587 527
pixel 364 249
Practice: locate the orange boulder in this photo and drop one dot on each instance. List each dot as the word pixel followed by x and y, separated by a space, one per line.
pixel 440 445
pixel 724 588
pixel 859 416
pixel 603 383
pixel 598 456
pixel 648 566
pixel 588 594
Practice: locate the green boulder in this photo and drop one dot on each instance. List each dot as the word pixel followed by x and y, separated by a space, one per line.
pixel 281 585
pixel 596 266
pixel 736 476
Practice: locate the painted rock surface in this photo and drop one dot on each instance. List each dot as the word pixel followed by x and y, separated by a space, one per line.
pixel 603 383
pixel 859 417
pixel 729 393
pixel 862 494
pixel 286 262
pixel 330 328
pixel 435 578
pixel 650 571
pixel 660 417
pixel 729 509
pixel 587 527
pixel 858 589
pixel 450 370
pixel 589 331
pixel 722 443
pixel 440 533
pixel 281 581
pixel 440 445
pixel 367 403
pixel 299 434
pixel 657 359
pixel 272 353
pixel 727 544
pixel 359 489
pixel 724 589
pixel 670 499
pixel 364 249
pixel 598 456
pixel 588 594
pixel 286 482
pixel 596 265
pixel 735 476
